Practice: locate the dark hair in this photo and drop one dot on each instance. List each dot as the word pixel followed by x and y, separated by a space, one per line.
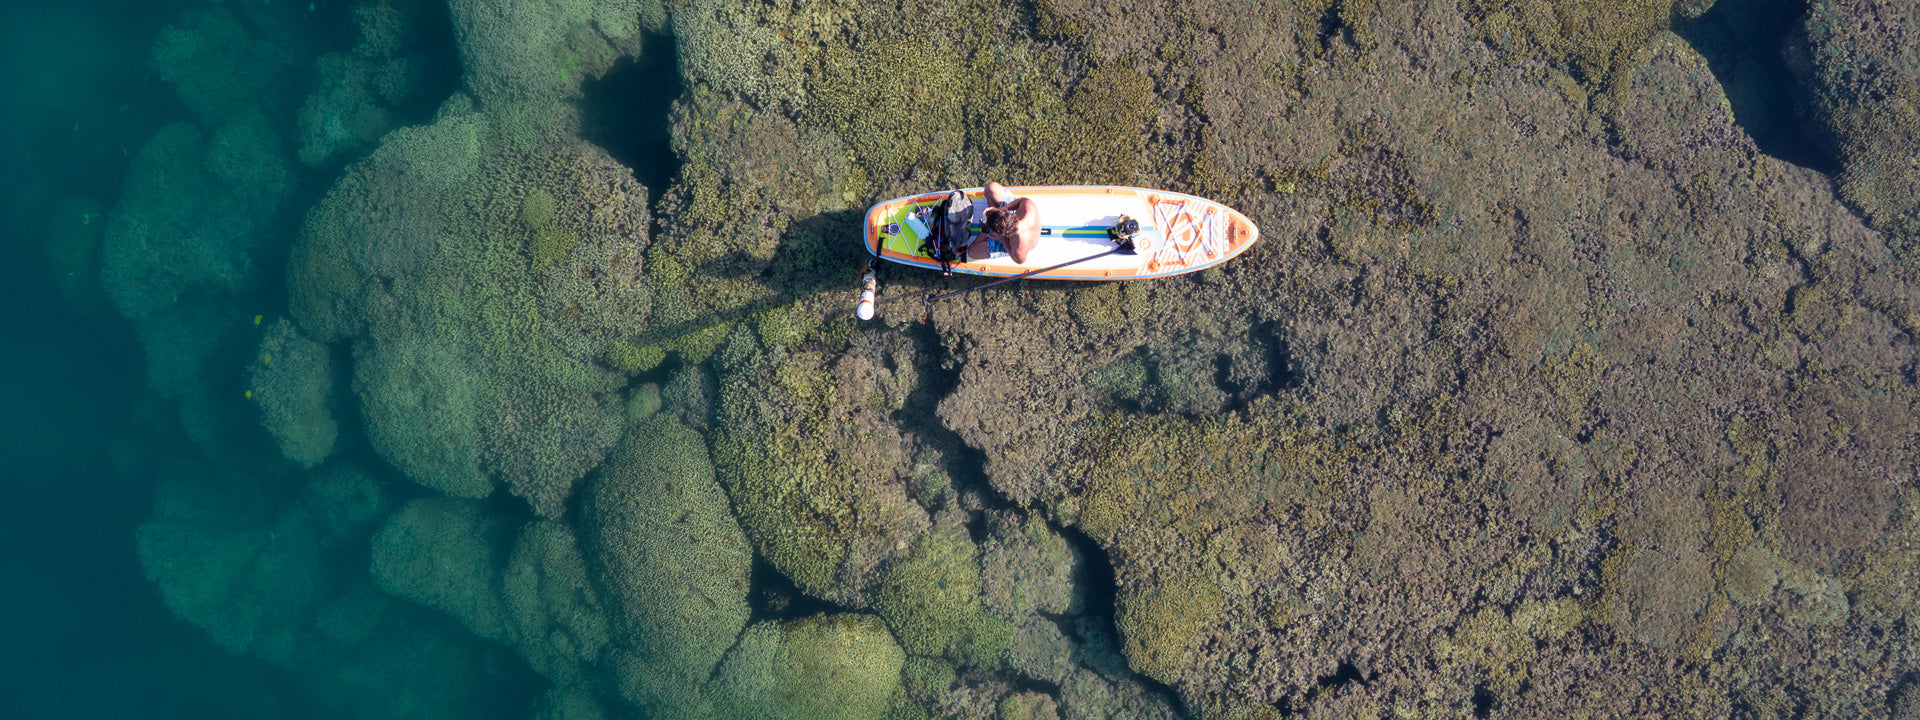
pixel 999 222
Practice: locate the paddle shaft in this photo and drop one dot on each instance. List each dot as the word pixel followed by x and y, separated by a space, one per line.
pixel 1126 247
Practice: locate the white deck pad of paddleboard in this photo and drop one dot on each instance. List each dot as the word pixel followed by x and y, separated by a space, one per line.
pixel 1074 220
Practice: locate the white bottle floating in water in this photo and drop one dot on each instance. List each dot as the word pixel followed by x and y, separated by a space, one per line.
pixel 867 287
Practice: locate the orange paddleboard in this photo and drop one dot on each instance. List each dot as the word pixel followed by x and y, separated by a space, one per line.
pixel 1179 233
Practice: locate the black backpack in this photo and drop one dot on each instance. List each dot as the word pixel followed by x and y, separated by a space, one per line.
pixel 949 234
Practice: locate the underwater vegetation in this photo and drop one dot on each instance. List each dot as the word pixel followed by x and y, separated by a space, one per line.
pixel 1547 393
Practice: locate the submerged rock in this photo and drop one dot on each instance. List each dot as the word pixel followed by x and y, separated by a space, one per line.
pixel 1544 376
pixel 291 381
pixel 673 560
pixel 844 667
pixel 1863 95
pixel 477 344
pixel 440 552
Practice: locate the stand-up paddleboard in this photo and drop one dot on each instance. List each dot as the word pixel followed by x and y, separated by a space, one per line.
pixel 1179 233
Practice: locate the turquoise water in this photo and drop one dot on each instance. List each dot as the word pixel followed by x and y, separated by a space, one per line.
pixel 85 633
pixel 494 358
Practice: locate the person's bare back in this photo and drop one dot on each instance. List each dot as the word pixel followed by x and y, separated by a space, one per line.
pixel 1011 225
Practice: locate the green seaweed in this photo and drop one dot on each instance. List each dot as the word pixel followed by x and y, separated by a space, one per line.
pixel 932 601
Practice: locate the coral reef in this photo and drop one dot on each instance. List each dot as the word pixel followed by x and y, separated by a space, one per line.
pixel 440 552
pixel 291 380
pixel 844 667
pixel 522 60
pixel 230 559
pixel 569 704
pixel 1309 452
pixel 362 93
pixel 815 481
pixel 193 227
pixel 402 382
pixel 931 600
pixel 1158 622
pixel 672 559
pixel 191 213
pixel 223 61
pixel 260 563
pixel 260 558
pixel 1863 88
pixel 473 366
pixel 346 501
pixel 348 110
pixel 556 615
pixel 1547 391
pixel 194 351
pixel 411 668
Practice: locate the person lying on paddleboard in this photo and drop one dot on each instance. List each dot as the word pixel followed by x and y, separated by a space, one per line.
pixel 1011 226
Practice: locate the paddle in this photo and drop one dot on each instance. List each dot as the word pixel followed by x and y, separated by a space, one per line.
pixel 1125 247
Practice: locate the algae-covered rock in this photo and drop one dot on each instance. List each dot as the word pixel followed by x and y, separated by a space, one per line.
pixel 815 482
pixel 1027 706
pixel 1906 702
pixel 1751 575
pixel 1158 623
pixel 1813 600
pixel 1589 37
pixel 557 619
pixel 441 553
pixel 932 601
pixel 672 559
pixel 471 367
pixel 1674 106
pixel 1026 567
pixel 843 667
pixel 291 381
pixel 1087 694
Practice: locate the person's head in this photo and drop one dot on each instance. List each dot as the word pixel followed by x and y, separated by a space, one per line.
pixel 999 222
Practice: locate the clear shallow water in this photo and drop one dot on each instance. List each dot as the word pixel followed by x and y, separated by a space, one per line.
pixel 83 632
pixel 87 447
